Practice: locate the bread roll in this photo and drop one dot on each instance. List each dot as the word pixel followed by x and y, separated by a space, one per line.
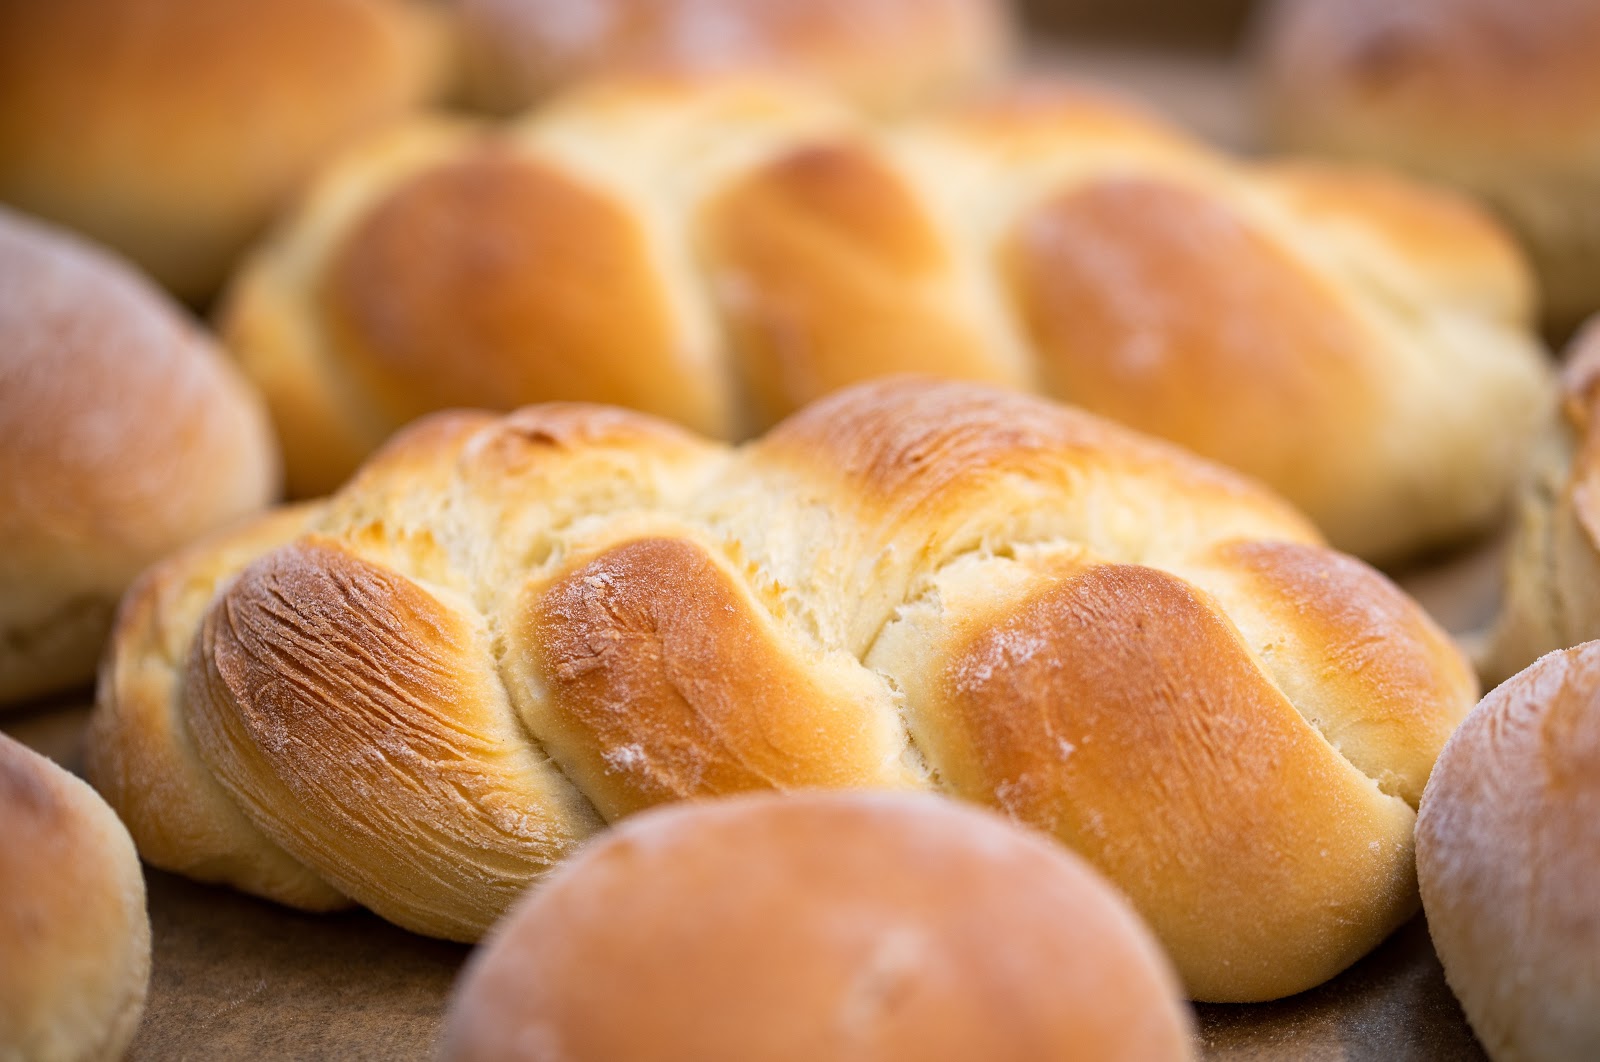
pixel 124 433
pixel 1551 598
pixel 720 251
pixel 887 55
pixel 1498 97
pixel 172 130
pixel 1508 841
pixel 868 927
pixel 505 633
pixel 74 936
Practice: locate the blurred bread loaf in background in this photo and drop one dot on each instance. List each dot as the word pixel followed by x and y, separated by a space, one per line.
pixel 1508 844
pixel 1551 596
pixel 721 250
pixel 1498 97
pixel 124 432
pixel 869 927
pixel 885 55
pixel 74 935
pixel 173 130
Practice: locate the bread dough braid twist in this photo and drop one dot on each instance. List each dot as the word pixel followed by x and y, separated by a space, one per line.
pixel 504 633
pixel 720 252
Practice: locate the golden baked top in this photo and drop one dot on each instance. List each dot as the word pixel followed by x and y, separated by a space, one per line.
pixel 505 632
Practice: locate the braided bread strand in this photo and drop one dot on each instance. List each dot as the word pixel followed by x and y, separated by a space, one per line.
pixel 722 251
pixel 506 632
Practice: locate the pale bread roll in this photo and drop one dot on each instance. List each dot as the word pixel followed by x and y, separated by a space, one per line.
pixel 869 927
pixel 74 936
pixel 1508 853
pixel 124 433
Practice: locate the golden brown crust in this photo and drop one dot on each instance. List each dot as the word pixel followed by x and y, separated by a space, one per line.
pixel 1120 284
pixel 865 927
pixel 1103 680
pixel 665 618
pixel 887 55
pixel 1318 613
pixel 653 644
pixel 1507 842
pixel 138 752
pixel 347 709
pixel 759 250
pixel 124 432
pixel 74 936
pixel 811 259
pixel 495 281
pixel 198 119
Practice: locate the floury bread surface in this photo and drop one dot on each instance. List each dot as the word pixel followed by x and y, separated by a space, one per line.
pixel 505 633
pixel 862 926
pixel 124 433
pixel 720 251
pixel 74 936
pixel 1508 842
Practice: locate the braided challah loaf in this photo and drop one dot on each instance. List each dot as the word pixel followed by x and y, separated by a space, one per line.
pixel 720 252
pixel 506 632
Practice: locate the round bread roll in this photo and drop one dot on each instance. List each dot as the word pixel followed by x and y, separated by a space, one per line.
pixel 74 936
pixel 1551 596
pixel 720 251
pixel 1498 97
pixel 124 433
pixel 172 130
pixel 875 928
pixel 1508 853
pixel 507 632
pixel 886 55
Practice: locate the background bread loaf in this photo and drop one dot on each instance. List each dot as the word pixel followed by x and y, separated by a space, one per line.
pixel 870 927
pixel 886 55
pixel 173 130
pixel 1507 844
pixel 1497 97
pixel 124 433
pixel 74 936
pixel 506 632
pixel 721 251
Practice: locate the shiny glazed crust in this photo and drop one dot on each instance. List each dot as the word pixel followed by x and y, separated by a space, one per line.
pixel 721 251
pixel 871 927
pixel 506 632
